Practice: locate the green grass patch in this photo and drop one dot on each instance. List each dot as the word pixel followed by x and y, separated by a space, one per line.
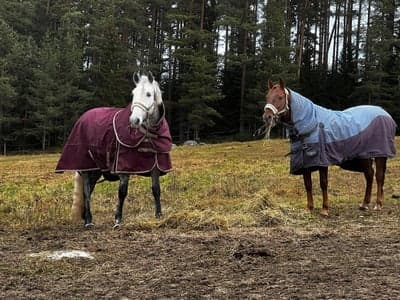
pixel 212 187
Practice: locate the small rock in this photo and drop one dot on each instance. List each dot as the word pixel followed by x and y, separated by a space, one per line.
pixel 190 143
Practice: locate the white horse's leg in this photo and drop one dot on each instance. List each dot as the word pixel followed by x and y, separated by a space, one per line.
pixel 77 209
pixel 87 215
pixel 122 193
pixel 155 187
pixel 89 179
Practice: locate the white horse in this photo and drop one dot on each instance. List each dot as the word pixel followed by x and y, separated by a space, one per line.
pixel 145 117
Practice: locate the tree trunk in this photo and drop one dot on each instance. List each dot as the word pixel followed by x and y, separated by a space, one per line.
pixel 344 46
pixel 320 24
pixel 301 38
pixel 318 44
pixel 202 14
pixel 326 35
pixel 368 38
pixel 244 71
pixel 337 39
pixel 349 29
pixel 226 46
pixel 254 35
pixel 332 36
pixel 390 25
pixel 358 32
pixel 48 7
pixel 44 139
pixel 288 23
pixel 171 80
pixel 179 70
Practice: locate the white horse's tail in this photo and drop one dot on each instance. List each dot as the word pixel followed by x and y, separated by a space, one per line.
pixel 77 196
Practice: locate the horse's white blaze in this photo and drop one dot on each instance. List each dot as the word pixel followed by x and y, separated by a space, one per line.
pixel 145 96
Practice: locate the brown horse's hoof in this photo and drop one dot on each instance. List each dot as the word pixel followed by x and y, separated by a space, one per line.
pixel 378 207
pixel 324 213
pixel 363 207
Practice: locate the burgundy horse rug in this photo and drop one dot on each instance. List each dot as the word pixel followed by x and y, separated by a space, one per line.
pixel 103 140
pixel 321 137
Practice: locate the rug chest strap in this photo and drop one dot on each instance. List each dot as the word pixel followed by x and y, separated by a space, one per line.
pixel 147 133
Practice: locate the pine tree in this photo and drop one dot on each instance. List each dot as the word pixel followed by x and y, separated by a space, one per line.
pixel 7 92
pixel 44 108
pixel 240 21
pixel 383 60
pixel 113 40
pixel 194 53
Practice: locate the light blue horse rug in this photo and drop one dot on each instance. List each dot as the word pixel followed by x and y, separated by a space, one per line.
pixel 321 137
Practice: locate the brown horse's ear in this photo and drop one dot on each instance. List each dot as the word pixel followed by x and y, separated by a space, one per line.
pixel 270 84
pixel 281 83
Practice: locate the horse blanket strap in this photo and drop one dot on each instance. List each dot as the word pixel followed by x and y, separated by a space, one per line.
pixel 103 140
pixel 323 137
pixel 147 133
pixel 146 150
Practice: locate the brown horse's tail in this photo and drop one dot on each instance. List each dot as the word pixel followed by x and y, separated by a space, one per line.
pixel 77 196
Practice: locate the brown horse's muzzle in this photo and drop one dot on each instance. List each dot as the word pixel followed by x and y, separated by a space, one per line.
pixel 269 118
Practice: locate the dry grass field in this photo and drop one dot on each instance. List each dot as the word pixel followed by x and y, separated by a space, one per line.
pixel 234 226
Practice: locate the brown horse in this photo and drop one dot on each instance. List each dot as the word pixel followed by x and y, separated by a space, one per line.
pixel 320 137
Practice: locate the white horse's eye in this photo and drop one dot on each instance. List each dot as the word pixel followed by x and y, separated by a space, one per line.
pixel 148 94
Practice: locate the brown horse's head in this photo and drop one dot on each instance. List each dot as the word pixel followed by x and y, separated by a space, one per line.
pixel 277 99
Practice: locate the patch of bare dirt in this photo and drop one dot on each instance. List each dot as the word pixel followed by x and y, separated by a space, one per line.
pixel 353 261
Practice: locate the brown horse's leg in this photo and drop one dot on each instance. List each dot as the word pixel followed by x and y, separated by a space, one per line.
pixel 368 170
pixel 308 186
pixel 380 164
pixel 323 181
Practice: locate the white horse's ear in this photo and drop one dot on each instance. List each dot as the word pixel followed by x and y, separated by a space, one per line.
pixel 136 78
pixel 157 93
pixel 150 77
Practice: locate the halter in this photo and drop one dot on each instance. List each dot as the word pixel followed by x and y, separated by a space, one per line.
pixel 147 125
pixel 274 110
pixel 143 107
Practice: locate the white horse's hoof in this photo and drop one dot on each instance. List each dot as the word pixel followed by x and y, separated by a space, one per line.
pixel 117 226
pixel 89 225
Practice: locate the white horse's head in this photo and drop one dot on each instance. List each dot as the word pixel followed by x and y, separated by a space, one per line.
pixel 146 98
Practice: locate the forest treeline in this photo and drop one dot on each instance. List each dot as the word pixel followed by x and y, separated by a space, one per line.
pixel 212 59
